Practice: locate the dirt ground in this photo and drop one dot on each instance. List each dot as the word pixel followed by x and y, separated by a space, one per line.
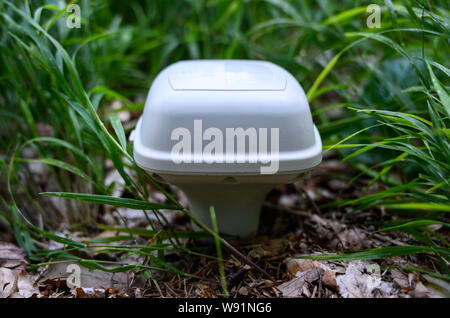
pixel 293 223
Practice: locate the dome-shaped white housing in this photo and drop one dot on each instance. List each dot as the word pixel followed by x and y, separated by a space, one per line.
pixel 228 125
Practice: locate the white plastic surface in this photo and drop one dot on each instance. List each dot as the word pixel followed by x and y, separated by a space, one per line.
pixel 226 94
pixel 226 75
pixel 223 94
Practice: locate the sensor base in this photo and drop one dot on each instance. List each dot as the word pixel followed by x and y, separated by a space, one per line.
pixel 237 206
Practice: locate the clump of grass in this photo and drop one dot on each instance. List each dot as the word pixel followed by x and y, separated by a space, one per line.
pixel 405 108
pixel 59 82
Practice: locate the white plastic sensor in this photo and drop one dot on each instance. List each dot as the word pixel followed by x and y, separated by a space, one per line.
pixel 226 132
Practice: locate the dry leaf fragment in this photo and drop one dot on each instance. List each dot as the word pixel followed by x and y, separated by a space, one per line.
pixel 329 278
pixel 12 256
pixel 300 265
pixel 294 287
pixel 26 286
pixel 355 283
pixel 8 282
pixel 400 279
pixel 88 278
pixel 243 291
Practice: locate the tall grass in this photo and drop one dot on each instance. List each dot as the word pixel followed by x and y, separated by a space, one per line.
pixel 379 97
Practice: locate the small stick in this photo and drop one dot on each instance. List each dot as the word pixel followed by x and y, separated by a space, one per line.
pixel 235 278
pixel 316 208
pixel 230 247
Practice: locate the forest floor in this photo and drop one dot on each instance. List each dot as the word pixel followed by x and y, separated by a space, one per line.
pixel 292 224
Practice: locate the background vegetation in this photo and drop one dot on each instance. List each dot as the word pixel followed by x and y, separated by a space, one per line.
pixel 378 96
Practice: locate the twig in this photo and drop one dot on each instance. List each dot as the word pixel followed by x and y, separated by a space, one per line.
pixel 286 209
pixel 230 247
pixel 387 239
pixel 234 278
pixel 246 259
pixel 316 208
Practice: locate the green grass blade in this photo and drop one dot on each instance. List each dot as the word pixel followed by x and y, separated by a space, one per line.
pixel 418 206
pixel 443 96
pixel 379 253
pixel 113 201
pixel 118 129
pixel 151 233
pixel 223 280
pixel 413 224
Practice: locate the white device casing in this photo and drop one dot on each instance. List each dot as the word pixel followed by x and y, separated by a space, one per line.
pixel 226 94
